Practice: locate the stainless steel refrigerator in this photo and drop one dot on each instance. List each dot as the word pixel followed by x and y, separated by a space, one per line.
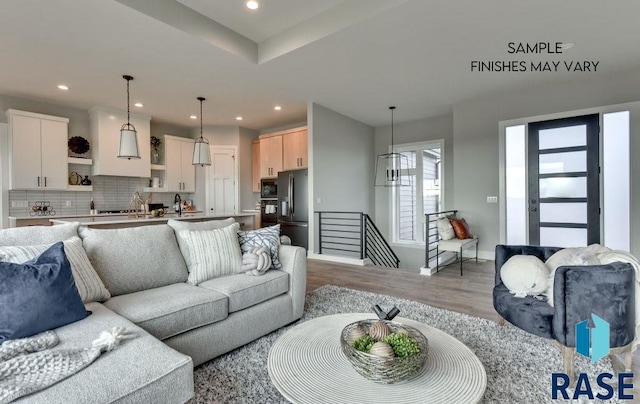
pixel 293 204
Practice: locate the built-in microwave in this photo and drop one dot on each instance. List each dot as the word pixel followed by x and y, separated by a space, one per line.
pixel 268 188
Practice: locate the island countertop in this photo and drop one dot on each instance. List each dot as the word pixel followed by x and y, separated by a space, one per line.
pixel 246 220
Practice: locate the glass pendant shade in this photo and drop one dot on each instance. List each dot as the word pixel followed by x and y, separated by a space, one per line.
pixel 128 136
pixel 392 169
pixel 128 143
pixel 201 150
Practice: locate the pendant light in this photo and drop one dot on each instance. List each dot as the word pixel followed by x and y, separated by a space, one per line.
pixel 201 151
pixel 128 135
pixel 392 169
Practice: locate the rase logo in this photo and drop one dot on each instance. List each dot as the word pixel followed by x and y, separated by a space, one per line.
pixel 594 344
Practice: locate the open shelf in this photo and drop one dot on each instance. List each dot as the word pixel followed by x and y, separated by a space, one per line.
pixel 78 160
pixel 158 167
pixel 80 188
pixel 152 189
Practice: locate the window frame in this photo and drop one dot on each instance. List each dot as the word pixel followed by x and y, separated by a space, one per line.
pixel 394 230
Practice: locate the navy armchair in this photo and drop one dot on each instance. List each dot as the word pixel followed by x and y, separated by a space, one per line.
pixel 605 290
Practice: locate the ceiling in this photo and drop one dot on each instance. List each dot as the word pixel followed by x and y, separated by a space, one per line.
pixel 356 57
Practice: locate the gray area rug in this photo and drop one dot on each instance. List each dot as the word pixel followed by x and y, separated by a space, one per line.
pixel 518 364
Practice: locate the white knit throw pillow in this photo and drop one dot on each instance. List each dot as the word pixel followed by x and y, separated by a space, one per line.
pixel 212 253
pixel 89 284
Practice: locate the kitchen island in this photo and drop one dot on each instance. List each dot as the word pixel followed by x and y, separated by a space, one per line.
pixel 247 220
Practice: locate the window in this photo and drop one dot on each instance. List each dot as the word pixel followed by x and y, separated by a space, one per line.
pixel 423 195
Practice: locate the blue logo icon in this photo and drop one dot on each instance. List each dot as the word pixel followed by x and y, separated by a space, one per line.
pixel 593 342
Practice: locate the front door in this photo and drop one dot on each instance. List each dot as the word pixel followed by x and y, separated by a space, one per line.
pixel 564 191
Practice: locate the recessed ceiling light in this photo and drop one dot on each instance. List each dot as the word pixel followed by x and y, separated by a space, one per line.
pixel 238 118
pixel 193 117
pixel 63 87
pixel 277 107
pixel 139 104
pixel 252 4
pixel 567 45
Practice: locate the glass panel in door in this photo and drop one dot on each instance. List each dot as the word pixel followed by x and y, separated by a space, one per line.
pixel 563 176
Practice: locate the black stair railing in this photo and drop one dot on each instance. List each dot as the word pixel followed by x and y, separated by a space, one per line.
pixel 354 234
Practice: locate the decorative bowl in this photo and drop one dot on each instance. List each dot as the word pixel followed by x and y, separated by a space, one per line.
pixel 385 370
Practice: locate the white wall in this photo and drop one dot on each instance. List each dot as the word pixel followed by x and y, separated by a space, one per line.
pixel 341 160
pixel 439 127
pixel 476 135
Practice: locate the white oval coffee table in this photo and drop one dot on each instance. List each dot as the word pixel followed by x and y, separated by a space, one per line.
pixel 307 365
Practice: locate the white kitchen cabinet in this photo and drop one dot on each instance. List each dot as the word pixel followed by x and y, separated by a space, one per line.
pixel 38 151
pixel 105 142
pixel 180 174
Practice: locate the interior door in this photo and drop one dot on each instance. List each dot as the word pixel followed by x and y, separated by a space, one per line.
pixel 222 181
pixel 564 185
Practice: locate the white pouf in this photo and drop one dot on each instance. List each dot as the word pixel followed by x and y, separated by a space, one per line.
pixel 525 275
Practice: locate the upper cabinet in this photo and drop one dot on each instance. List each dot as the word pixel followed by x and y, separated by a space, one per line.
pixel 284 150
pixel 270 156
pixel 38 151
pixel 255 165
pixel 294 149
pixel 180 174
pixel 105 142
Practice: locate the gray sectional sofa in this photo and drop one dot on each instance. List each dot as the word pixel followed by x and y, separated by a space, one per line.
pixel 179 325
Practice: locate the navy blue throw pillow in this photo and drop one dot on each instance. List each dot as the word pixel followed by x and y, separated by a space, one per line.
pixel 38 295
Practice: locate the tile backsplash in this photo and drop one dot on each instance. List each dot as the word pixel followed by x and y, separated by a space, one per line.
pixel 109 193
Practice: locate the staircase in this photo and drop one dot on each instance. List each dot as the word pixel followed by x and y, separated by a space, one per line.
pixel 354 235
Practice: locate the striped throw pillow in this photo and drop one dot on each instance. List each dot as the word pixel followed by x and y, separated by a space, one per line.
pixel 212 253
pixel 89 284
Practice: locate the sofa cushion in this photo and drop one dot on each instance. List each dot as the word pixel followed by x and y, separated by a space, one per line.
pixel 244 291
pixel 171 310
pixel 139 370
pixel 180 225
pixel 135 258
pixel 34 235
pixel 38 296
pixel 88 282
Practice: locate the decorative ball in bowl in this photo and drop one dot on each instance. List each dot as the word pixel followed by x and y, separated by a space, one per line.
pixel 384 351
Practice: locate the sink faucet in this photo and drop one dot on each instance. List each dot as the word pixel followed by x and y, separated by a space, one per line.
pixel 177 199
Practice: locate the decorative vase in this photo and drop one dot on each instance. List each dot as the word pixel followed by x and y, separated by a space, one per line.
pixel 155 157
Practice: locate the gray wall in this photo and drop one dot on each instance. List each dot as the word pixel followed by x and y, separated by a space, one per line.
pixel 248 198
pixel 78 118
pixel 342 160
pixel 476 137
pixel 439 127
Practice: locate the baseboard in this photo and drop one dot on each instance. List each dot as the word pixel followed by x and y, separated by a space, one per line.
pixel 482 255
pixel 338 259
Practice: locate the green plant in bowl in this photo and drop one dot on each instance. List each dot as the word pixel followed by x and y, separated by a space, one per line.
pixel 402 344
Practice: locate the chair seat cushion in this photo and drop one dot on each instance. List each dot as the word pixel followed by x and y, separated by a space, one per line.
pixel 171 310
pixel 244 291
pixel 532 315
pixel 455 244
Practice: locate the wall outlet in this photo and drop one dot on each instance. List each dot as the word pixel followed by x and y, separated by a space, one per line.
pixel 68 204
pixel 318 200
pixel 19 204
pixel 492 199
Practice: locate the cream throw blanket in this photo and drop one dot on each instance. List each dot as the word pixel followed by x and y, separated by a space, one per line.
pixel 29 365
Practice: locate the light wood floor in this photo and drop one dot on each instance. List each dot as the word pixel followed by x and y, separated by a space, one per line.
pixel 469 294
